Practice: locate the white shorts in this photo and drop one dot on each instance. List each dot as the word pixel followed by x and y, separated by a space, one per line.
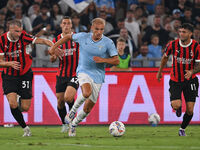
pixel 84 78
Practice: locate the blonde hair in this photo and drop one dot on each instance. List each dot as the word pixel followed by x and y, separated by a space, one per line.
pixel 98 21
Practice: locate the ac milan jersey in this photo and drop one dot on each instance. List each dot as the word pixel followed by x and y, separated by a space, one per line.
pixel 69 62
pixel 16 51
pixel 184 58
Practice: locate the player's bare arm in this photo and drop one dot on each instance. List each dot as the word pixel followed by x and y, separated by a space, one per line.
pixel 49 43
pixel 60 42
pixel 113 60
pixel 196 69
pixel 14 64
pixel 162 65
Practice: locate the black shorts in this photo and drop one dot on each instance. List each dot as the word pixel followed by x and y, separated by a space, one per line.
pixel 22 85
pixel 188 87
pixel 63 82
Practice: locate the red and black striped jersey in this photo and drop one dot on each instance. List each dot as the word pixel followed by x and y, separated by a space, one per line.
pixel 69 62
pixel 183 57
pixel 16 51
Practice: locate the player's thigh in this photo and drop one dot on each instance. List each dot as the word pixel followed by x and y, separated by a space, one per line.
pixel 12 99
pixel 25 104
pixel 191 90
pixel 61 84
pixel 85 83
pixel 10 84
pixel 175 92
pixel 25 85
pixel 71 89
pixel 86 89
pixel 88 106
pixel 70 94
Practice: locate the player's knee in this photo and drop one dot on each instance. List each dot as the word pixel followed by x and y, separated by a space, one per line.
pixel 86 110
pixel 190 112
pixel 25 108
pixel 175 106
pixel 68 98
pixel 13 105
pixel 87 94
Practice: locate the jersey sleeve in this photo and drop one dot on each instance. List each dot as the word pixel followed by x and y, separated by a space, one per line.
pixel 28 39
pixel 111 48
pixel 76 37
pixel 1 48
pixel 197 56
pixel 168 49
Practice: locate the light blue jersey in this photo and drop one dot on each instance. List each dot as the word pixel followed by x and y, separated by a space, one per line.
pixel 104 48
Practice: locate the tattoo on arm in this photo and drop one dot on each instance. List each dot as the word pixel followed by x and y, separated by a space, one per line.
pixel 196 68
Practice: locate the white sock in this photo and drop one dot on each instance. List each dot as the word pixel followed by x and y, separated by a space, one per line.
pixel 79 101
pixel 80 116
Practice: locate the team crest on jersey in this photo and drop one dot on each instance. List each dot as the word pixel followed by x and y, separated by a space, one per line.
pixel 100 47
pixel 177 50
pixel 191 53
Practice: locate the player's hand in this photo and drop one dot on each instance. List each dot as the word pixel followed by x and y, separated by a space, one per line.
pixel 158 76
pixel 59 53
pixel 53 58
pixel 15 64
pixel 188 74
pixel 98 59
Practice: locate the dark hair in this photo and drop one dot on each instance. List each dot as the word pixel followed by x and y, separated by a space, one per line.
pixel 187 26
pixel 66 17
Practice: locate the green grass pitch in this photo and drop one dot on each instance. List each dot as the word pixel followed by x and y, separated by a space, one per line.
pixel 98 138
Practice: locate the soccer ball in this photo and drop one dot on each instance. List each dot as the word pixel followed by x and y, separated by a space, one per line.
pixel 117 128
pixel 154 119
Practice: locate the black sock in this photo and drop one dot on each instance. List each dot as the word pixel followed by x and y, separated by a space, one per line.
pixel 18 116
pixel 186 120
pixel 62 113
pixel 70 104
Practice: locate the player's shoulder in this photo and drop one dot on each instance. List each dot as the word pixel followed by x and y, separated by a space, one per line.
pixel 107 39
pixel 57 37
pixel 171 42
pixel 81 34
pixel 3 36
pixel 195 42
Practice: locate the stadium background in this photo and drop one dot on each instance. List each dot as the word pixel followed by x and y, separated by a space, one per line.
pixel 126 96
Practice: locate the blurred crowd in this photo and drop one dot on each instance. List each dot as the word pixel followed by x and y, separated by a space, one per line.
pixel 145 25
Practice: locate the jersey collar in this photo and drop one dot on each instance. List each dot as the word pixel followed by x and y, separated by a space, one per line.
pixel 185 45
pixel 10 39
pixel 63 35
pixel 98 40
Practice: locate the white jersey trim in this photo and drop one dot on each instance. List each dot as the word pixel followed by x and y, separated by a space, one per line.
pixel 185 45
pixel 33 42
pixel 197 60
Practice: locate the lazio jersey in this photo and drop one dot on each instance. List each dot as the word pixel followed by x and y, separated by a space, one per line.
pixel 104 48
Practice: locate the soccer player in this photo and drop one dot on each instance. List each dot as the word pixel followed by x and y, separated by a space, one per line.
pixel 95 51
pixel 186 63
pixel 17 74
pixel 66 79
